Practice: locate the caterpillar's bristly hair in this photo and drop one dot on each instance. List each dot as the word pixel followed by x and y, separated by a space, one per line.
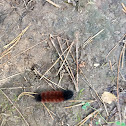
pixel 67 94
pixel 38 97
pixel 54 96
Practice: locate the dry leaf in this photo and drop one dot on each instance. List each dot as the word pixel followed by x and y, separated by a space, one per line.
pixel 108 97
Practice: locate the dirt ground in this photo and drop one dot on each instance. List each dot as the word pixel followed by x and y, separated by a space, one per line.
pixel 74 22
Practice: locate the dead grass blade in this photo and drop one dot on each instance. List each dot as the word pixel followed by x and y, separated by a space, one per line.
pixel 54 4
pixel 26 93
pixel 15 108
pixel 124 8
pixel 87 118
pixel 14 42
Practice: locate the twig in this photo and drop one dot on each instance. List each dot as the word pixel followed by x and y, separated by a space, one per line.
pixel 76 39
pixel 67 68
pixel 36 71
pixel 10 76
pixel 110 63
pixel 11 88
pixel 15 107
pixel 5 54
pixel 49 83
pixel 87 82
pixel 75 105
pixel 53 83
pixel 120 57
pixel 83 102
pixel 106 109
pixel 90 39
pixel 70 72
pixel 48 111
pixel 18 37
pixel 116 45
pixel 24 51
pixel 88 117
pixel 14 42
pixel 124 7
pixel 29 48
pixel 54 4
pixel 65 58
pixel 123 54
pixel 54 63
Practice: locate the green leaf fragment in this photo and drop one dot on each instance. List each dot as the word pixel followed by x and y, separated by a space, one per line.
pixel 117 123
pixel 97 123
pixel 122 124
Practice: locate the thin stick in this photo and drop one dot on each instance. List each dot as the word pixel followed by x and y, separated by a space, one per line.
pixel 54 4
pixel 61 77
pixel 67 68
pixel 70 72
pixel 123 54
pixel 117 85
pixel 54 63
pixel 106 109
pixel 49 83
pixel 18 37
pixel 53 83
pixel 90 39
pixel 116 45
pixel 10 76
pixel 80 100
pixel 13 88
pixel 85 119
pixel 76 37
pixel 24 51
pixel 87 82
pixel 5 54
pixel 29 48
pixel 15 41
pixel 48 111
pixel 15 107
pixel 75 105
pixel 65 58
pixel 80 104
pixel 124 7
pixel 36 71
pixel 110 63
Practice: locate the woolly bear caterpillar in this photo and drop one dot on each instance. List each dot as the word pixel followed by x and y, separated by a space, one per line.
pixel 54 96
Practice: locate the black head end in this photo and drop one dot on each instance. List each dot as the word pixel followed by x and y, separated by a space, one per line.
pixel 67 94
pixel 38 97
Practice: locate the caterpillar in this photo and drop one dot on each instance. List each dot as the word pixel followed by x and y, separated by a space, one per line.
pixel 54 96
